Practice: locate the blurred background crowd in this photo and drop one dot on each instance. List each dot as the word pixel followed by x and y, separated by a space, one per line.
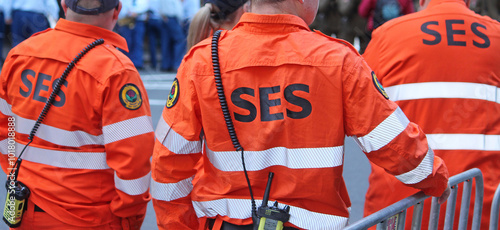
pixel 156 30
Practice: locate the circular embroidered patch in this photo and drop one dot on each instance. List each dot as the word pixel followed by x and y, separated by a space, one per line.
pixel 379 86
pixel 173 96
pixel 130 96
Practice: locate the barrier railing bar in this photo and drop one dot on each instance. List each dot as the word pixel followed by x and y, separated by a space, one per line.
pixel 450 208
pixel 478 199
pixel 434 215
pixel 495 209
pixel 382 225
pixel 387 212
pixel 464 208
pixel 416 221
pixel 382 215
pixel 402 219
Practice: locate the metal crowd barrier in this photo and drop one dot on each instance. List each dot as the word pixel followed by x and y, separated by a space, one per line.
pixel 495 206
pixel 393 216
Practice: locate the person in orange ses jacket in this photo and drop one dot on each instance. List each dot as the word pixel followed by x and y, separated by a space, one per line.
pixel 88 165
pixel 293 95
pixel 441 67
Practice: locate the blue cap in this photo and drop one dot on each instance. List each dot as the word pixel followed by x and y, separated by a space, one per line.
pixel 106 5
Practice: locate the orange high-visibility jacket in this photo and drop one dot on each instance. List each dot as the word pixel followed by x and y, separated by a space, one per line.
pixel 89 162
pixel 293 95
pixel 441 66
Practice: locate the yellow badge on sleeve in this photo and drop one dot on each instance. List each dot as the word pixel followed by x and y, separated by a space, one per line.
pixel 379 86
pixel 130 96
pixel 173 96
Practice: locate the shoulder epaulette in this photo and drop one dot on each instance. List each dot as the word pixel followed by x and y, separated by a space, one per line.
pixel 343 42
pixel 41 32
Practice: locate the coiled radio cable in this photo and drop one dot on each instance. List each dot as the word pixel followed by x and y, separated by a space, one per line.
pixel 225 112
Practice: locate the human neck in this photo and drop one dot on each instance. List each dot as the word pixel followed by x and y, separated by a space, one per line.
pixel 274 8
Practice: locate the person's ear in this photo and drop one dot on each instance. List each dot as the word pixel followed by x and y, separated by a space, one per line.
pixel 64 6
pixel 421 2
pixel 117 10
pixel 246 6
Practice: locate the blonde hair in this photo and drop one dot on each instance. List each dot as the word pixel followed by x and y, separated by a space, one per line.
pixel 202 25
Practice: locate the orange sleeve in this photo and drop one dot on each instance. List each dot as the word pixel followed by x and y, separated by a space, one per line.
pixel 5 112
pixel 7 122
pixel 129 139
pixel 386 135
pixel 177 151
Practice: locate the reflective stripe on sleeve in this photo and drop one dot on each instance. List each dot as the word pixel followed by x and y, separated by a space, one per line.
pixel 175 142
pixel 135 186
pixel 385 132
pixel 425 90
pixel 419 173
pixel 61 159
pixel 292 158
pixel 171 191
pixel 464 141
pixel 241 209
pixel 127 128
pixel 58 136
pixel 5 108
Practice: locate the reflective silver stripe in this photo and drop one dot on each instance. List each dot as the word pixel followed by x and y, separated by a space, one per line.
pixel 241 209
pixel 127 128
pixel 62 159
pixel 464 141
pixel 171 191
pixel 52 134
pixel 419 173
pixel 385 132
pixel 303 158
pixel 5 108
pixel 58 136
pixel 424 90
pixel 498 95
pixel 175 142
pixel 135 186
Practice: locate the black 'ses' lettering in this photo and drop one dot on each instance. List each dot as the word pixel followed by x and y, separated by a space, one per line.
pixel 244 104
pixel 298 101
pixel 28 77
pixel 455 30
pixel 265 104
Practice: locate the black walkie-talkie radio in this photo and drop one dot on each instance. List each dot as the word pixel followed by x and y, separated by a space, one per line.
pixel 270 217
pixel 15 203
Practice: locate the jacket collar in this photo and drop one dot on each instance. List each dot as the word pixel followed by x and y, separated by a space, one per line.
pixel 85 30
pixel 279 20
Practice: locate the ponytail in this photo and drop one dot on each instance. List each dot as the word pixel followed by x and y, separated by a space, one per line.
pixel 201 26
